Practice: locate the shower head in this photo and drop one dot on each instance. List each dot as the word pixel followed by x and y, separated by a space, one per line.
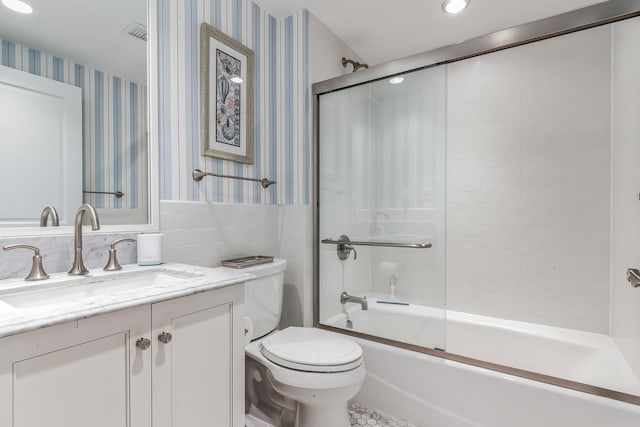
pixel 356 65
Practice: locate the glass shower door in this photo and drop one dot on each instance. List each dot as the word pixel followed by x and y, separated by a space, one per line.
pixel 381 208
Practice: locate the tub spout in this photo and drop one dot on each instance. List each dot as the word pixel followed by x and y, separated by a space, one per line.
pixel 345 298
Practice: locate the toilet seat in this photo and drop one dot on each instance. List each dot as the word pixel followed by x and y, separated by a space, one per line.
pixel 311 350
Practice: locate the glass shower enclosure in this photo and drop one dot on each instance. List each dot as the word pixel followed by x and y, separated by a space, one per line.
pixel 380 214
pixel 520 263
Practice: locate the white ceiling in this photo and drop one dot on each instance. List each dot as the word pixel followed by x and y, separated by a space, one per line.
pixel 384 30
pixel 89 32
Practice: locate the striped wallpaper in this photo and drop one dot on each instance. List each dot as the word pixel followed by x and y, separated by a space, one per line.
pixel 282 103
pixel 114 124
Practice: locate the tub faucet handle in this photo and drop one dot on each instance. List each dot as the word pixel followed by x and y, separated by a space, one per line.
pixel 344 249
pixel 351 248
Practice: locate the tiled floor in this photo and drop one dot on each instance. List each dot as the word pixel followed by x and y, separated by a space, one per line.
pixel 362 416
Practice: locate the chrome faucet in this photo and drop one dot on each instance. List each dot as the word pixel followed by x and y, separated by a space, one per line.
pixel 345 298
pixel 78 268
pixel 44 216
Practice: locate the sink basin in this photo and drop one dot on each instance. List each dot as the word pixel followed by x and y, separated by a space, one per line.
pixel 75 289
pixel 6 307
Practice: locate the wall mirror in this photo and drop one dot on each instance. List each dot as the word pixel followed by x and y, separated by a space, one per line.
pixel 78 114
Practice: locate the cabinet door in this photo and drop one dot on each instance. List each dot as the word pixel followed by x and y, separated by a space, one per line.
pixel 78 374
pixel 198 376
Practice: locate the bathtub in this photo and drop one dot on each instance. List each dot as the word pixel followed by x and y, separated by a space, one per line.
pixel 432 391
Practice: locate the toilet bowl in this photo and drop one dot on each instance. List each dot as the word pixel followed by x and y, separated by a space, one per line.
pixel 319 370
pixel 295 376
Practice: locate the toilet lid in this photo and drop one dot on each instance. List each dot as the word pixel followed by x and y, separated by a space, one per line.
pixel 311 350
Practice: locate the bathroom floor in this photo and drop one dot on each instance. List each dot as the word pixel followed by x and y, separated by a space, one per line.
pixel 360 415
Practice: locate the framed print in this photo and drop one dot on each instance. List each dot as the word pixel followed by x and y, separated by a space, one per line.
pixel 226 96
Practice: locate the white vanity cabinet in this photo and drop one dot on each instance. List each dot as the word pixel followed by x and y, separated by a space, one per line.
pixel 83 373
pixel 198 374
pixel 91 372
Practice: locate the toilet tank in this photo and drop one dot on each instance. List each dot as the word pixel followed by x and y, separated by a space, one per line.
pixel 263 296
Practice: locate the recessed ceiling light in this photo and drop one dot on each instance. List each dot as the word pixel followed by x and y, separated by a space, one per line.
pixel 396 80
pixel 18 6
pixel 455 6
pixel 236 79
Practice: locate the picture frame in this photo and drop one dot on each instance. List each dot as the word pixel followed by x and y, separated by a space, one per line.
pixel 226 97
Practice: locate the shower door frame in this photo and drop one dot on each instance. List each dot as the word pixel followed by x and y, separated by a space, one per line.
pixel 559 25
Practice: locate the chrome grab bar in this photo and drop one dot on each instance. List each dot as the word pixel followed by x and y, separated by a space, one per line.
pixel 386 244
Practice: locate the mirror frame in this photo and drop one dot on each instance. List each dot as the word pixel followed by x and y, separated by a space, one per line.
pixel 153 193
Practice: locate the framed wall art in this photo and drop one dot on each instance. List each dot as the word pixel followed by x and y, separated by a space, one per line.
pixel 226 96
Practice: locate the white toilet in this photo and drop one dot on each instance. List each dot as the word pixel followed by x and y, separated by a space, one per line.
pixel 296 376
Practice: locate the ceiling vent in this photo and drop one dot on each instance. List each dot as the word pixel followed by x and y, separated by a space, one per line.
pixel 137 30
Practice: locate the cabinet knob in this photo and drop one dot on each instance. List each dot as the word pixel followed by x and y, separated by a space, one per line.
pixel 143 343
pixel 164 337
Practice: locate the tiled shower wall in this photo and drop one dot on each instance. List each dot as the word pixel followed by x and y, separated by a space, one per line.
pixel 281 117
pixel 625 212
pixel 528 182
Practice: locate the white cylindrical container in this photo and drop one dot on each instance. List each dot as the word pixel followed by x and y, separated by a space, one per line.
pixel 150 249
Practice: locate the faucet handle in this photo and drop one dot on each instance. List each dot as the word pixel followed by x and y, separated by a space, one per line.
pixel 351 248
pixel 37 271
pixel 344 249
pixel 112 263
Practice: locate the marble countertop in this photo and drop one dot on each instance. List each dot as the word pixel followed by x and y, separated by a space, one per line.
pixel 36 310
